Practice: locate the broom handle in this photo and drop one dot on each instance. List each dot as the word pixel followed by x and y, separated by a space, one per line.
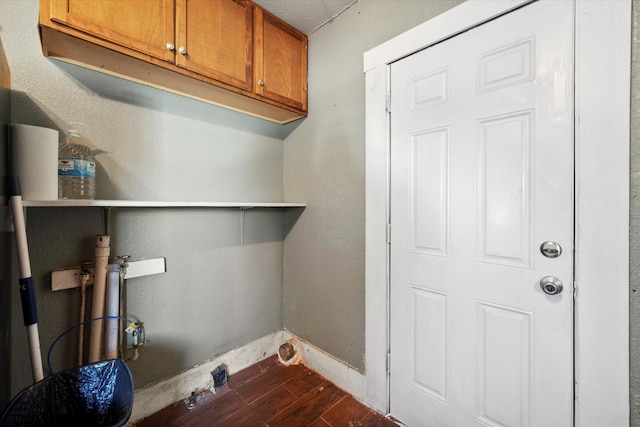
pixel 27 291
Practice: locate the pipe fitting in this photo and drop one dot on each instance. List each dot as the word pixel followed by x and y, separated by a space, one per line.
pixel 290 352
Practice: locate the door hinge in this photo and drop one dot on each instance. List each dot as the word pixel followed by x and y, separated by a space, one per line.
pixel 388 234
pixel 388 103
pixel 388 364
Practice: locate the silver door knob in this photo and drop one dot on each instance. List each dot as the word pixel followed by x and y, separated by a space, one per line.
pixel 551 285
pixel 261 82
pixel 170 46
pixel 182 50
pixel 551 249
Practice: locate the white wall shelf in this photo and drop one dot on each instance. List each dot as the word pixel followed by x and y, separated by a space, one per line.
pixel 155 204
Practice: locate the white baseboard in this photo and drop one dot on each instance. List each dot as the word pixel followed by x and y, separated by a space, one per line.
pixel 338 372
pixel 163 393
pixel 153 397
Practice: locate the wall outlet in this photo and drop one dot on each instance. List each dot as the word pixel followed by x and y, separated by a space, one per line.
pixel 219 375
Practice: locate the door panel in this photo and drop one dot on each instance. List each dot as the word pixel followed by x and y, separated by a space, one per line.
pixel 505 364
pixel 504 189
pixel 481 175
pixel 429 185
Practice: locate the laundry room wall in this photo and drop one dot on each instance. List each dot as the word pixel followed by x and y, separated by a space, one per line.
pixel 324 164
pixel 223 284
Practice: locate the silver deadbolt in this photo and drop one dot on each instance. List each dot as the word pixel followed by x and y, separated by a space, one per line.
pixel 551 285
pixel 551 249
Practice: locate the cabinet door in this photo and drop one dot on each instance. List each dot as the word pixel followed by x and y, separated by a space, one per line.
pixel 214 38
pixel 143 25
pixel 280 62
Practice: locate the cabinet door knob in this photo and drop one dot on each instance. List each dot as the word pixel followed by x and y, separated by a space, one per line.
pixel 182 50
pixel 170 46
pixel 261 82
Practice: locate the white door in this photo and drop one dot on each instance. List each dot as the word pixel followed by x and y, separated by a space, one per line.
pixel 481 177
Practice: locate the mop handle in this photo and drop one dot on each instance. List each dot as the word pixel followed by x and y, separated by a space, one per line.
pixel 27 291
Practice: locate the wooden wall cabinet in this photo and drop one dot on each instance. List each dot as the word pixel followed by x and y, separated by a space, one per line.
pixel 230 53
pixel 144 26
pixel 280 61
pixel 214 38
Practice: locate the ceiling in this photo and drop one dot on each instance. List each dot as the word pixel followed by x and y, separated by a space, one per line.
pixel 306 15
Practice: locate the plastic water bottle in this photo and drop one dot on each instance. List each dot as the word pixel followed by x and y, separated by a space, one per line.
pixel 76 167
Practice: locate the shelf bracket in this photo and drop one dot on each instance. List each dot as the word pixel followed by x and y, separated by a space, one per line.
pixel 106 219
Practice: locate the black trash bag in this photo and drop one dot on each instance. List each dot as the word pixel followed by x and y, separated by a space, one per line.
pixel 98 394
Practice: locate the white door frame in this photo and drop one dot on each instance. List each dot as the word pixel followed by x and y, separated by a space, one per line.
pixel 602 110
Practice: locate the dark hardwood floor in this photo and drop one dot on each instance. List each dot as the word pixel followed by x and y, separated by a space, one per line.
pixel 271 394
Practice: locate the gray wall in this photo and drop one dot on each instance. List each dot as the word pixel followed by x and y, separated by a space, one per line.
pixel 325 166
pixel 634 216
pixel 223 285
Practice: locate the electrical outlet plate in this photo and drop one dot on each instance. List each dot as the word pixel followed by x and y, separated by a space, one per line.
pixel 69 278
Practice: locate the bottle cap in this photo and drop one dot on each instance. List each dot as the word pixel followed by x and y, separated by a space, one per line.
pixel 77 128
